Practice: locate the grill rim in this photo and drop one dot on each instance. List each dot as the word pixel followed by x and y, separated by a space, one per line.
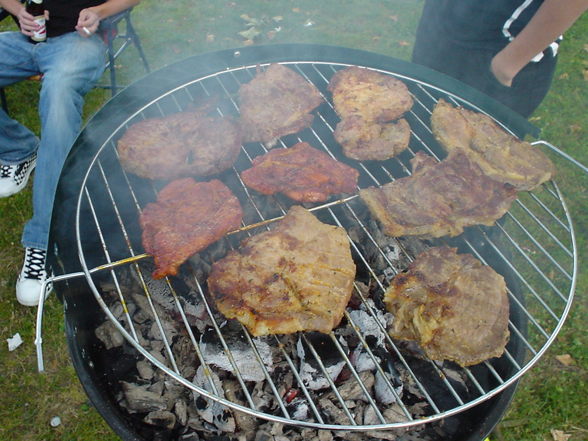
pixel 286 54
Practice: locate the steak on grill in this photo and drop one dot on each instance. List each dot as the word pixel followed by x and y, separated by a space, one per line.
pixel 455 307
pixel 439 199
pixel 184 144
pixel 296 277
pixel 186 218
pixel 499 154
pixel 371 95
pixel 302 173
pixel 276 102
pixel 364 140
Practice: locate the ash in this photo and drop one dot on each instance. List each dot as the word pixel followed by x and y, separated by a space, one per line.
pixel 349 377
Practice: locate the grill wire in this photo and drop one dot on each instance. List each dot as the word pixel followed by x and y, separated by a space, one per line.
pixel 536 245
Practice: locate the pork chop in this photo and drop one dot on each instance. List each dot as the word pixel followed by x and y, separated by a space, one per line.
pixel 500 155
pixel 296 277
pixel 455 307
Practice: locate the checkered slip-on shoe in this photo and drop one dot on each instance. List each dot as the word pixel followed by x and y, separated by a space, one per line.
pixel 13 178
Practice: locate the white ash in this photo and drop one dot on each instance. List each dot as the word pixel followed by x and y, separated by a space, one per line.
pixel 382 388
pixel 371 324
pixel 243 355
pixel 210 410
pixel 311 374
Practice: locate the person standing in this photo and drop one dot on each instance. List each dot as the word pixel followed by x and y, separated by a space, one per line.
pixel 504 48
pixel 70 60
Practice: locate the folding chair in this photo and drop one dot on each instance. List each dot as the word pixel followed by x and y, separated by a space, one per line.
pixel 116 43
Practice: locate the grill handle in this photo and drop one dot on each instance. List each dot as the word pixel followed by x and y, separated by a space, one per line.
pixel 562 153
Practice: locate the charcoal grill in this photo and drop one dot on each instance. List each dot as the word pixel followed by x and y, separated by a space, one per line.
pixel 98 204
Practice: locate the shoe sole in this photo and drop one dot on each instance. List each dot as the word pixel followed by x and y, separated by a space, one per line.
pixel 23 183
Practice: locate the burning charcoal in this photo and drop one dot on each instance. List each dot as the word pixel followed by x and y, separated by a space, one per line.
pixel 351 390
pixel 108 334
pixel 310 371
pixel 161 418
pixel 243 355
pixel 211 411
pixel 298 409
pixel 245 423
pixel 141 399
pixel 145 369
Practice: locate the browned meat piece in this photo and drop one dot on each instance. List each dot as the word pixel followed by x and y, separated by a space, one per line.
pixel 500 155
pixel 364 140
pixel 368 94
pixel 455 307
pixel 440 198
pixel 186 218
pixel 180 145
pixel 277 102
pixel 297 277
pixel 302 173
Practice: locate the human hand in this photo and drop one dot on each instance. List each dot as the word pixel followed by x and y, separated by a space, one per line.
pixel 27 22
pixel 88 22
pixel 503 70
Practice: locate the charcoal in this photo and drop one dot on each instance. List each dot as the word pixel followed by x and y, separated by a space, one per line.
pixel 181 411
pixel 140 399
pixel 109 335
pixel 352 390
pixel 145 369
pixel 161 418
pixel 211 411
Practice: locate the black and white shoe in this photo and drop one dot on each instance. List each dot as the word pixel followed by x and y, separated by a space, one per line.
pixel 13 178
pixel 30 282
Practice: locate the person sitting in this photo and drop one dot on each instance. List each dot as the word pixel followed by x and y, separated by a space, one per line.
pixel 71 61
pixel 504 48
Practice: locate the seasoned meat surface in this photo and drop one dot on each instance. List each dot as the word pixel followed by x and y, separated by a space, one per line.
pixel 296 277
pixel 365 140
pixel 302 173
pixel 368 94
pixel 455 307
pixel 276 102
pixel 180 145
pixel 499 154
pixel 439 199
pixel 186 218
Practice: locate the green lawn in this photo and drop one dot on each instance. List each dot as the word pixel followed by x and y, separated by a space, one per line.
pixel 552 396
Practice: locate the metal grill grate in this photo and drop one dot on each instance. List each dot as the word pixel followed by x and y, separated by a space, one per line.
pixel 533 246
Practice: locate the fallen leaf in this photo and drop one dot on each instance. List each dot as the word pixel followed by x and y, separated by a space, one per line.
pixel 560 435
pixel 575 128
pixel 270 35
pixel 393 17
pixel 565 359
pixel 248 42
pixel 376 38
pixel 277 18
pixel 403 43
pixel 209 38
pixel 585 74
pixel 250 33
pixel 296 10
pixel 564 76
pixel 586 47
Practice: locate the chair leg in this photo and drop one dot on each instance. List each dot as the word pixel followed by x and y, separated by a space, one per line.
pixel 3 100
pixel 137 42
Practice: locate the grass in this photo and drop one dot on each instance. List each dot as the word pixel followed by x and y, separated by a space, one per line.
pixel 551 396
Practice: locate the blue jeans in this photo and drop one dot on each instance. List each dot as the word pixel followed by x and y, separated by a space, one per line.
pixel 70 65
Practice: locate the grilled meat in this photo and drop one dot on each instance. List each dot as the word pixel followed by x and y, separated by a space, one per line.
pixel 365 140
pixel 186 218
pixel 440 198
pixel 302 173
pixel 455 307
pixel 277 102
pixel 296 277
pixel 368 94
pixel 499 154
pixel 180 145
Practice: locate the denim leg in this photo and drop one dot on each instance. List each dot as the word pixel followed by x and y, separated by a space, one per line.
pixel 71 65
pixel 17 62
